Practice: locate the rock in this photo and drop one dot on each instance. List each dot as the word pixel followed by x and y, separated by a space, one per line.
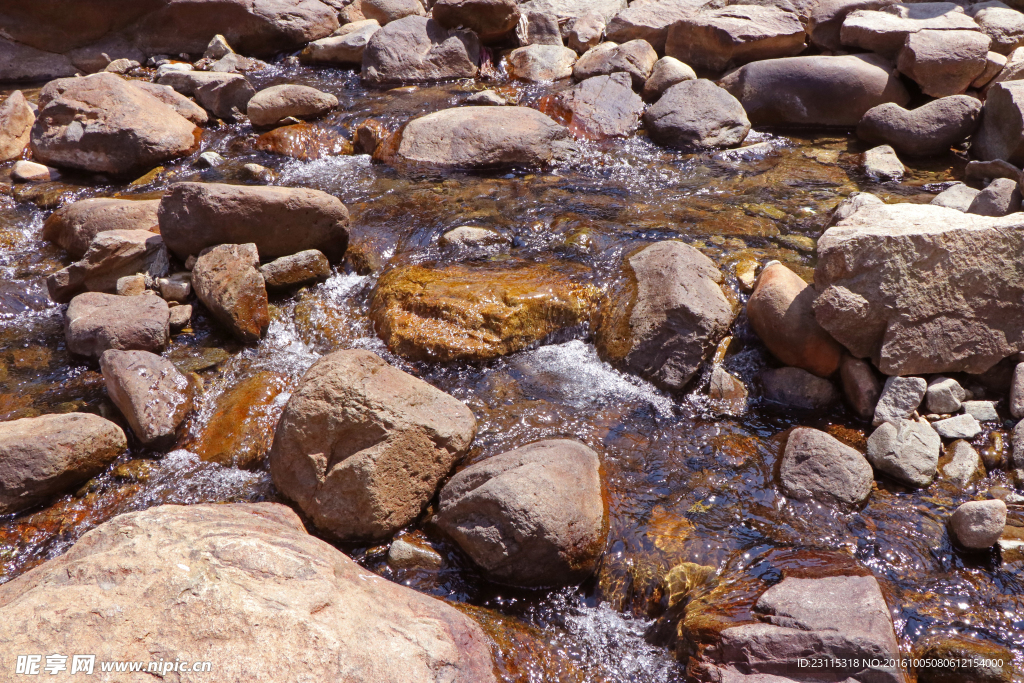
pixel 128 130
pixel 249 572
pixel 728 390
pixel 405 555
pixel 1017 392
pixel 175 288
pixel 538 28
pixel 489 19
pixel 73 226
pixel 369 135
pixel 851 205
pixel 20 62
pixel 826 20
pixel 982 411
pixel 176 101
pixel 416 49
pixel 651 21
pixel 944 395
pixel 881 163
pixel 122 66
pixel 42 457
pixel 895 314
pixel 16 119
pixel 302 268
pixel 179 317
pixel 695 115
pixel 304 141
pixel 860 386
pixel 944 62
pixel 1000 198
pixel 95 322
pixel 1001 133
pixel 816 466
pixel 782 314
pixel 210 160
pixel 343 49
pixel 980 661
pixel 907 451
pixel 667 318
pixel 637 58
pixel 279 220
pixel 486 98
pixel 225 95
pixel 31 172
pixel 471 237
pixel 151 394
pixel 994 63
pixel 362 447
pixel 978 524
pixel 715 39
pixel 228 283
pixel 901 396
pixel 217 47
pixel 387 11
pixel 815 90
pixel 466 312
pixel 585 31
pixel 842 618
pixel 598 108
pixel 886 31
pixel 566 10
pixel 798 388
pixel 667 71
pixel 111 255
pixel 963 465
pixel 958 427
pixel 533 516
pixel 985 172
pixel 471 138
pixel 541 63
pixel 131 285
pixel 959 197
pixel 1004 26
pixel 928 130
pixel 268 107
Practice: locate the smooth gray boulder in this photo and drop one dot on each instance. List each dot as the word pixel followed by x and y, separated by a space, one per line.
pixel 816 466
pixel 269 106
pixel 959 197
pixel 978 524
pixel 1003 25
pixel 944 395
pixel 541 63
pixel 827 16
pixel 1001 197
pixel 1001 133
pixel 95 322
pixel 345 47
pixel 925 131
pixel 886 30
pixel 695 115
pixel 149 391
pixel 387 11
pixel 667 71
pixel 797 388
pixel 418 49
pixel 901 396
pixel 944 62
pixel 907 451
pixel 636 57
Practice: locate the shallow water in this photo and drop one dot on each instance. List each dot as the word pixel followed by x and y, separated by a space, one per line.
pixel 685 481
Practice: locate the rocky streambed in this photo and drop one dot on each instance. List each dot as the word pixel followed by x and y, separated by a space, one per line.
pixel 510 363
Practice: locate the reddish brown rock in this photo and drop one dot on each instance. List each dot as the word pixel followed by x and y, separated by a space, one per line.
pixel 304 141
pixel 228 282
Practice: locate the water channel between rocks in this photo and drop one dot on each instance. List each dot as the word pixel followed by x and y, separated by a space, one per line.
pixel 685 482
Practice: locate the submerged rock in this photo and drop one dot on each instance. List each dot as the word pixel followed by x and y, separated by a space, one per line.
pixel 816 466
pixel 907 451
pixel 303 141
pixel 228 282
pixel 73 226
pixel 981 661
pixel 149 391
pixel 95 322
pixel 417 49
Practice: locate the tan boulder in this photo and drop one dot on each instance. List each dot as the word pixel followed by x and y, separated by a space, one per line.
pixel 16 119
pixel 73 226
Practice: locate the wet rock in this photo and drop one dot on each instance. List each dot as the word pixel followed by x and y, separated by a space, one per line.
pixel 798 388
pixel 1000 198
pixel 489 19
pixel 73 226
pixel 668 318
pixel 252 574
pixel 405 555
pixel 860 386
pixel 179 317
pixel 362 447
pixel 667 71
pixel 541 63
pixel 480 138
pixel 387 11
pixel 31 172
pixel 179 103
pixel 695 115
pixel 227 280
pixel 650 21
pixel 304 141
pixel 727 389
pixel 417 49
pixel 532 517
pixel 270 106
pixel 978 660
pixel 826 20
pixel 471 237
pixel 715 39
pixel 930 129
pixel 368 136
pixel 1004 26
pixel 983 411
pixel 279 220
pixel 944 63
pixel 302 268
pixel 963 466
pixel 959 197
pixel 473 312
pixel 978 524
pixel 958 427
pixel 816 466
pixel 782 314
pixel 815 90
pixel 16 119
pixel 538 28
pixel 225 95
pixel 598 108
pixel 887 30
pixel 42 457
pixel 95 322
pixel 127 129
pixel 111 255
pixel 944 395
pixel 907 451
pixel 486 98
pixel 895 315
pixel 344 47
pixel 901 396
pixel 637 58
pixel 151 394
pixel 881 163
pixel 1001 133
pixel 585 31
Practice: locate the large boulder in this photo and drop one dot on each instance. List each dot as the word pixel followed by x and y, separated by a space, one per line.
pixel 417 49
pixel 715 39
pixel 149 391
pixel 362 447
pixel 819 467
pixel 386 11
pixel 1003 25
pixel 489 19
pixel 125 129
pixel 652 21
pixel 667 316
pixel 566 10
pixel 541 63
pixel 598 108
pixel 472 138
pixel 886 30
pixel 41 457
pixel 814 91
pixel 95 322
pixel 278 220
pixel 220 582
pixel 73 226
pixel 927 130
pixel 907 451
pixel 227 280
pixel 175 100
pixel 111 255
pixel 696 114
pixel 1001 133
pixel 826 20
pixel 781 311
pixel 636 57
pixel 533 516
pixel 16 119
pixel 944 63
pixel 19 62
pixel 960 314
pixel 343 48
pixel 268 107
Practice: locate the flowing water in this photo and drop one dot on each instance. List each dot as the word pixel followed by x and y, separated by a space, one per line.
pixel 685 481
